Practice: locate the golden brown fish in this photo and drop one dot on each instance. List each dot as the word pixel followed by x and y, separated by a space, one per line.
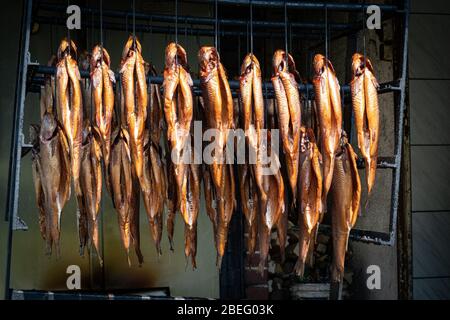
pixel 253 107
pixel 250 204
pixel 103 79
pixel 154 198
pixel 364 87
pixel 226 203
pixel 189 208
pixel 172 198
pixel 218 103
pixel 91 186
pixel 272 211
pixel 346 193
pixel 178 107
pixel 51 170
pixel 39 193
pixel 328 103
pixel 134 86
pixel 123 190
pixel 289 112
pixel 310 196
pixel 69 101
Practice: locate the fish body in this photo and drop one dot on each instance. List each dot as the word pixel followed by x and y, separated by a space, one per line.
pixel 364 87
pixel 102 82
pixel 218 103
pixel 253 108
pixel 346 195
pixel 272 211
pixel 51 170
pixel 289 112
pixel 178 106
pixel 122 185
pixel 91 187
pixel 249 200
pixel 328 103
pixel 134 86
pixel 69 101
pixel 310 196
pixel 154 197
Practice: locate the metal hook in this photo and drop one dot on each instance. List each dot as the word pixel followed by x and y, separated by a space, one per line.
pixel 326 33
pixel 216 24
pixel 286 35
pixel 251 27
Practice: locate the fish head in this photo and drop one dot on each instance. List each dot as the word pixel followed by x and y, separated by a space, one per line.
pixel 319 64
pixel 343 139
pixel 208 58
pixel 131 47
pixel 247 65
pixel 66 49
pixel 358 64
pixel 98 54
pixel 34 133
pixel 48 127
pixel 176 55
pixel 279 61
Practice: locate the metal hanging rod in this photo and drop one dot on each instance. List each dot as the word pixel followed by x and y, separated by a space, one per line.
pixel 234 84
pixel 310 5
pixel 171 30
pixel 202 20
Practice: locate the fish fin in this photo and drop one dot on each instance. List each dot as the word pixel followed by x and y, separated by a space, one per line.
pixel 356 198
pixel 112 76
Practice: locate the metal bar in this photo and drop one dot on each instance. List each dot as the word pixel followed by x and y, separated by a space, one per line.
pixel 234 84
pixel 312 5
pixel 170 30
pixel 198 20
pixel 16 150
pixel 401 116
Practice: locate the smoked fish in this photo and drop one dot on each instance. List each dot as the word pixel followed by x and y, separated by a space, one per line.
pixel 250 83
pixel 328 103
pixel 91 187
pixel 289 112
pixel 102 82
pixel 346 195
pixel 309 196
pixel 134 88
pixel 69 101
pixel 51 173
pixel 123 189
pixel 364 87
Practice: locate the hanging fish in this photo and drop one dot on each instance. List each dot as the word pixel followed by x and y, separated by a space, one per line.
pixel 134 86
pixel 124 189
pixel 328 103
pixel 289 111
pixel 310 197
pixel 69 101
pixel 102 80
pixel 272 211
pixel 253 107
pixel 178 106
pixel 250 204
pixel 91 187
pixel 346 194
pixel 364 87
pixel 51 173
pixel 218 103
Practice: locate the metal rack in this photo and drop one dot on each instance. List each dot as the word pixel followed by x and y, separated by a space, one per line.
pixel 29 77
